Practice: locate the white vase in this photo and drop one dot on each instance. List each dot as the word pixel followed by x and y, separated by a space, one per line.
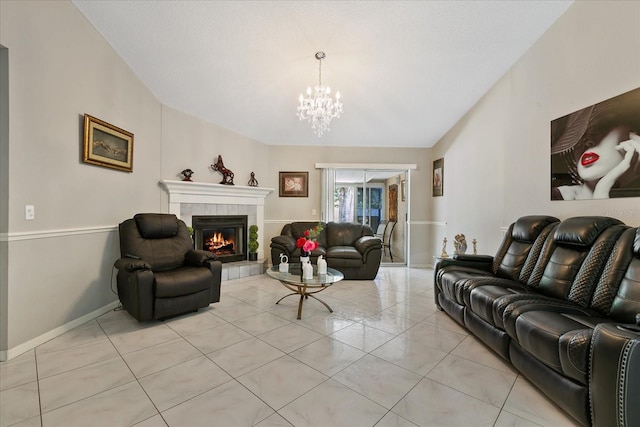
pixel 322 265
pixel 304 259
pixel 307 271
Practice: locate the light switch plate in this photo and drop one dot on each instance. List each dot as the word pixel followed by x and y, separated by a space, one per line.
pixel 29 212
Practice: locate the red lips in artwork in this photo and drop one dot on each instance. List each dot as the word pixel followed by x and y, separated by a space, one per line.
pixel 589 158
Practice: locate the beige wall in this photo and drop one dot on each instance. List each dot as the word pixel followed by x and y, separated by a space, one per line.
pixel 189 142
pixel 281 210
pixel 58 266
pixel 497 158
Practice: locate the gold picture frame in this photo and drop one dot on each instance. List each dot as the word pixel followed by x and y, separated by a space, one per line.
pixel 107 145
pixel 294 184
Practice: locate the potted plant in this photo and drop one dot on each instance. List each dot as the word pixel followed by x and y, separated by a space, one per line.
pixel 190 230
pixel 253 243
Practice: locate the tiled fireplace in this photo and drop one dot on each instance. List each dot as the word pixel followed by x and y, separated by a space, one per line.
pixel 223 235
pixel 189 200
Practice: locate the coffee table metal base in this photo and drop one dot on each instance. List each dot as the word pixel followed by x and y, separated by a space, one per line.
pixel 292 280
pixel 304 293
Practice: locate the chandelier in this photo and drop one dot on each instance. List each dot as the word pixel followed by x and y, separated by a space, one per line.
pixel 320 108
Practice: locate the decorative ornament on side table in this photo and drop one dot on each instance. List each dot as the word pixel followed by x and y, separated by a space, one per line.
pixel 253 182
pixel 307 271
pixel 284 263
pixel 444 253
pixel 475 250
pixel 186 174
pixel 309 242
pixel 227 175
pixel 253 243
pixel 459 244
pixel 322 266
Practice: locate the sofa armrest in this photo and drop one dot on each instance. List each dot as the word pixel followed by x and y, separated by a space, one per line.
pixel 197 258
pixel 614 375
pixel 484 259
pixel 479 262
pixel 132 264
pixel 286 243
pixel 367 243
pixel 135 291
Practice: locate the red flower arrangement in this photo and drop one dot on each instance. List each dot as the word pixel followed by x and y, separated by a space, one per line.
pixel 309 241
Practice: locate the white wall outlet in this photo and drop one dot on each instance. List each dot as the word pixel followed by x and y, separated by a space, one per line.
pixel 314 212
pixel 29 212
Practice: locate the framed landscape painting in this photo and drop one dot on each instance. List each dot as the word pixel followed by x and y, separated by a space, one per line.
pixel 294 184
pixel 107 145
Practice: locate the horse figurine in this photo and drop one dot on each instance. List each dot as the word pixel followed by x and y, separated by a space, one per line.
pixel 227 175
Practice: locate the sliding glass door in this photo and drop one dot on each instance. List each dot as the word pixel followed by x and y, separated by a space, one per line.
pixel 369 205
pixel 377 198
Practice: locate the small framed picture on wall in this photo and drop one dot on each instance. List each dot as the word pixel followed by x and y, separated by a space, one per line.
pixel 294 184
pixel 438 177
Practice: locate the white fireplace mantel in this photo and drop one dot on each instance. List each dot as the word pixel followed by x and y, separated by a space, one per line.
pixel 202 192
pixel 182 192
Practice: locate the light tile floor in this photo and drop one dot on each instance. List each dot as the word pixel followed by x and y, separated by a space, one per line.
pixel 385 357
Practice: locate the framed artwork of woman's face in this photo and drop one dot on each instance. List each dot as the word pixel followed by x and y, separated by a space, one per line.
pixel 595 152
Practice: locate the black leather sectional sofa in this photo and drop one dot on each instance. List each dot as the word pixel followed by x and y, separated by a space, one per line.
pixel 351 249
pixel 561 301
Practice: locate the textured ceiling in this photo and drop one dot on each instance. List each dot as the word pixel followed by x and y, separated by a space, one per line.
pixel 407 70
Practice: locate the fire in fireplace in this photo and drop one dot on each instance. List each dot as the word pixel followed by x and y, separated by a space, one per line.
pixel 224 235
pixel 220 242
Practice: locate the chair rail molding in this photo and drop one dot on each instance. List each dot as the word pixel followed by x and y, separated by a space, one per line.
pixel 47 234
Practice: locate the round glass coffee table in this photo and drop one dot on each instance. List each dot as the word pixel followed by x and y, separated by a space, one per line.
pixel 305 287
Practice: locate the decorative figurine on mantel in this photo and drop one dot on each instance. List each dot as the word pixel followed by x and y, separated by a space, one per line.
pixel 444 253
pixel 186 174
pixel 459 244
pixel 475 250
pixel 227 175
pixel 253 182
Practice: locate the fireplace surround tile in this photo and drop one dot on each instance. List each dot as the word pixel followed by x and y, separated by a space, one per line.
pixel 198 198
pixel 234 272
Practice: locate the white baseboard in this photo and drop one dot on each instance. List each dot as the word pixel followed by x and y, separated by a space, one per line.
pixel 421 266
pixel 31 344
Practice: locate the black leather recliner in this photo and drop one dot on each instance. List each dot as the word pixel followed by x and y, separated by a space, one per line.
pixel 568 320
pixel 159 273
pixel 350 248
